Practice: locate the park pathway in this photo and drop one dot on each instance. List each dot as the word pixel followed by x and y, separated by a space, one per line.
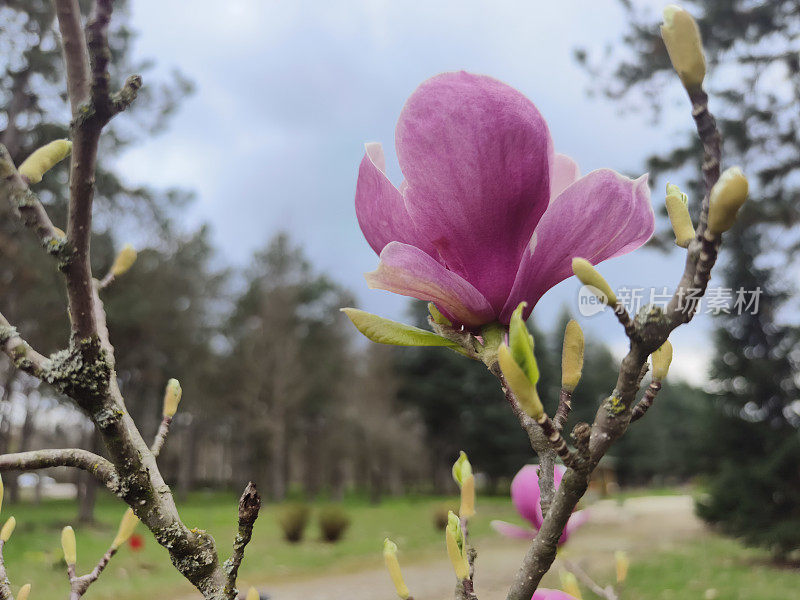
pixel 639 524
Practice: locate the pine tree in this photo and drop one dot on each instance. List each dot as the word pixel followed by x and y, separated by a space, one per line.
pixel 752 447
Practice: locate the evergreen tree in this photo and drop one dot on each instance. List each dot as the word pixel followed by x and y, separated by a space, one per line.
pixel 751 438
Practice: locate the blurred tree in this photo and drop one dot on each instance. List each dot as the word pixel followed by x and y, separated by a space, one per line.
pixel 754 65
pixel 287 364
pixel 31 82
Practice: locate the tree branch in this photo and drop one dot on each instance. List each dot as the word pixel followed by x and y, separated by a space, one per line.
pixel 249 505
pixel 19 351
pixel 645 403
pixel 33 213
pixel 5 584
pixel 647 332
pixel 76 55
pixel 95 465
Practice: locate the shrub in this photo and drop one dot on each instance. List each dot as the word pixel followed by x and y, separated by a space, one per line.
pixel 293 520
pixel 333 522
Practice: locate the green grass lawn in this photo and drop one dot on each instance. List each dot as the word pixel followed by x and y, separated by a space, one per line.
pixel 34 553
pixel 706 562
pixel 711 565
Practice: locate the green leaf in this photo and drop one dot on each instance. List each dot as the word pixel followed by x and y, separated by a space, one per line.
pixel 385 331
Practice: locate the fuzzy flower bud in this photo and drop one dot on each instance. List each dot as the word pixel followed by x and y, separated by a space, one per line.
pixel 590 276
pixel 45 158
pixel 456 548
pixel 684 46
pixel 69 546
pixel 24 592
pixel 520 384
pixel 252 594
pixel 8 529
pixel 622 563
pixel 462 473
pixel 678 210
pixel 124 260
pixel 725 200
pixel 520 342
pixel 572 356
pixel 126 527
pixel 393 566
pixel 172 397
pixel 661 359
pixel 569 583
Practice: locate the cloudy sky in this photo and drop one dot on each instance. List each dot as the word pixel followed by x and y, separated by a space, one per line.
pixel 288 92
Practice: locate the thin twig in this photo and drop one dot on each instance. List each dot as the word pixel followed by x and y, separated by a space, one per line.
pixel 604 592
pixel 97 466
pixel 645 403
pixel 80 585
pixel 161 436
pixel 249 505
pixel 76 55
pixel 20 352
pixel 564 408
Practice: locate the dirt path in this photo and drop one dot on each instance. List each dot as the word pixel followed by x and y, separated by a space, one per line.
pixel 649 523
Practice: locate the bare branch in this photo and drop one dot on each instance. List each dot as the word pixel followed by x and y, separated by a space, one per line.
pixel 80 585
pixel 645 403
pixel 5 584
pixel 603 592
pixel 15 188
pixel 19 351
pixel 161 436
pixel 564 408
pixel 647 332
pixel 97 466
pixel 249 505
pixel 76 55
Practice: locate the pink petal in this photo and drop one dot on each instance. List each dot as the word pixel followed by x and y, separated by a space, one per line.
pixel 476 155
pixel 575 522
pixel 600 216
pixel 380 207
pixel 513 531
pixel 545 594
pixel 563 173
pixel 409 271
pixel 526 496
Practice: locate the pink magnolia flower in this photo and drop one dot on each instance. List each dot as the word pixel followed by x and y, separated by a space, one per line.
pixel 545 594
pixel 488 215
pixel 526 497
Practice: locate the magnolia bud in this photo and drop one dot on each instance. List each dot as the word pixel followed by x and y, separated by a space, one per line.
pixel 172 397
pixel 661 359
pixel 1 493
pixel 519 383
pixel 24 592
pixel 678 211
pixel 588 275
pixel 725 200
pixel 124 260
pixel 126 527
pixel 572 356
pixel 437 316
pixel 252 594
pixel 69 546
pixel 682 39
pixel 454 540
pixel 59 232
pixel 393 566
pixel 461 468
pixel 462 473
pixel 44 159
pixel 622 563
pixel 520 342
pixel 8 529
pixel 569 583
